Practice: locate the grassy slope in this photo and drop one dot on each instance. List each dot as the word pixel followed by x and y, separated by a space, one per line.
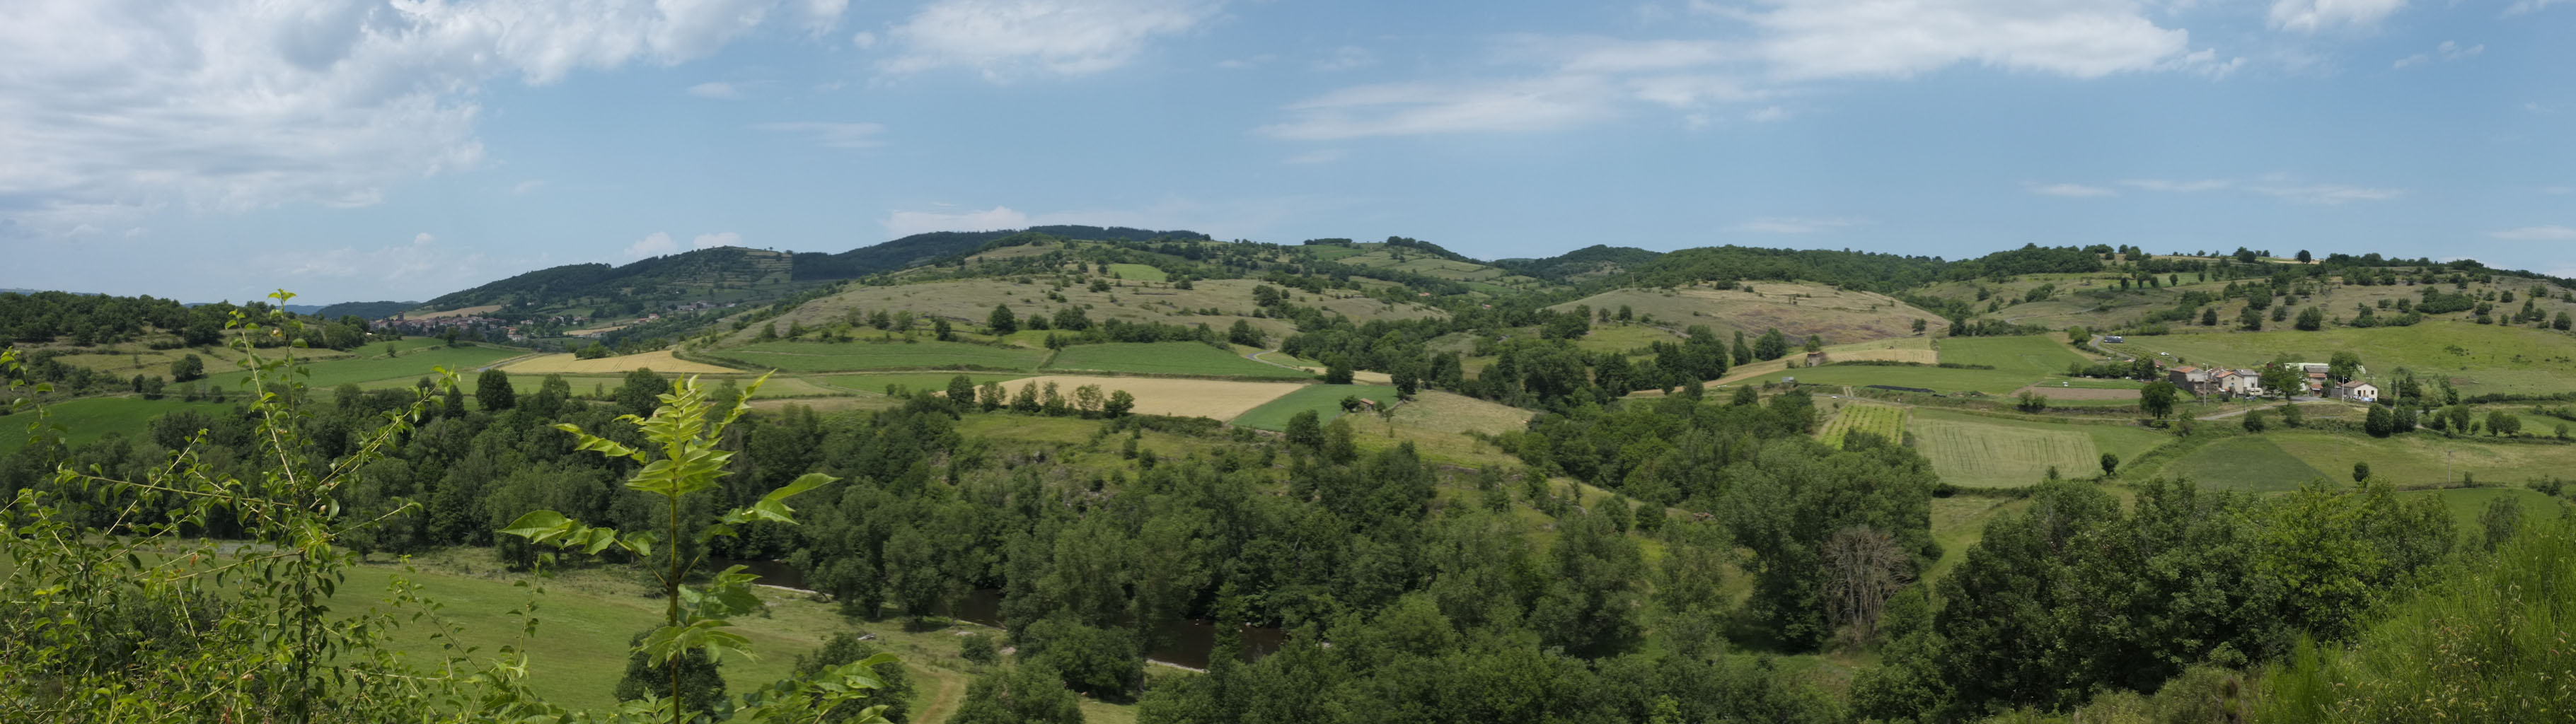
pixel 2252 463
pixel 93 418
pixel 1165 358
pixel 1798 310
pixel 1325 400
pixel 2418 459
pixel 1139 272
pixel 412 364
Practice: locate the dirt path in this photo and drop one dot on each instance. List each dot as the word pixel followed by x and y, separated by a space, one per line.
pixel 944 700
pixel 1256 357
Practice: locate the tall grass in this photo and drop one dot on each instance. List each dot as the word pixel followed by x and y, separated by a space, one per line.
pixel 2491 643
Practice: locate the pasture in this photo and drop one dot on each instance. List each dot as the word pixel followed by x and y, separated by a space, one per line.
pixel 2478 358
pixel 1139 272
pixel 2467 504
pixel 1980 451
pixel 408 366
pixel 2252 463
pixel 2038 355
pixel 1325 400
pixel 878 383
pixel 91 418
pixel 2420 459
pixel 659 361
pixel 860 356
pixel 1165 358
pixel 1945 380
pixel 1885 421
pixel 1623 338
pixel 1798 310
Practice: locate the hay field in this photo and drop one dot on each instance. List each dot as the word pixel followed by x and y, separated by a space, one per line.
pixel 860 356
pixel 2080 394
pixel 2253 463
pixel 1215 399
pixel 1885 421
pixel 659 361
pixel 968 303
pixel 1165 358
pixel 1976 450
pixel 1798 310
pixel 2034 354
pixel 2478 358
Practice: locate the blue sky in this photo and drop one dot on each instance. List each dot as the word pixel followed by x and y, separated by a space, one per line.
pixel 368 150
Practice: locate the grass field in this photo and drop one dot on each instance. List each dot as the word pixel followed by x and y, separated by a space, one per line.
pixel 1978 451
pixel 409 366
pixel 92 418
pixel 1939 379
pixel 1622 338
pixel 1886 421
pixel 876 383
pixel 1325 400
pixel 1165 358
pixel 2467 504
pixel 659 361
pixel 2252 463
pixel 858 356
pixel 1139 272
pixel 2418 460
pixel 2037 355
pixel 2477 358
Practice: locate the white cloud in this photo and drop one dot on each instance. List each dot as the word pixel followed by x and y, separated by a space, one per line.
pixel 823 15
pixel 1810 39
pixel 2215 184
pixel 1399 109
pixel 2308 16
pixel 1768 114
pixel 2530 6
pixel 717 89
pixel 864 40
pixel 2448 50
pixel 1787 44
pixel 833 135
pixel 1322 155
pixel 906 223
pixel 1344 58
pixel 112 110
pixel 2070 190
pixel 2536 233
pixel 721 238
pixel 1794 225
pixel 423 261
pixel 658 243
pixel 1008 38
pixel 525 187
pixel 2279 186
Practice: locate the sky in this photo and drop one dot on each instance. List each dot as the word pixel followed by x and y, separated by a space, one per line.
pixel 351 150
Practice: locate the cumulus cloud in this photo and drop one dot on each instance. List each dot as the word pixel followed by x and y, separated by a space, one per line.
pixel 1768 114
pixel 2536 233
pixel 658 243
pixel 832 135
pixel 2309 16
pixel 1785 45
pixel 1003 39
pixel 2070 190
pixel 1794 225
pixel 112 110
pixel 2529 6
pixel 526 187
pixel 906 223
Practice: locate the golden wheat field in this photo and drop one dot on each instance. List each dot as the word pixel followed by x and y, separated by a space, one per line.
pixel 1218 399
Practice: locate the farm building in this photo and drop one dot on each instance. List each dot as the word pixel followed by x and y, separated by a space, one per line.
pixel 2357 391
pixel 1816 359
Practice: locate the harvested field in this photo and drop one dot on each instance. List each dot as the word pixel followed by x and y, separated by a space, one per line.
pixel 2054 392
pixel 658 361
pixel 1215 399
pixel 1885 421
pixel 458 312
pixel 1325 400
pixel 1164 358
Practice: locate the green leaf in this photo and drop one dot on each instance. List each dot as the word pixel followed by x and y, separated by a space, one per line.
pixel 536 523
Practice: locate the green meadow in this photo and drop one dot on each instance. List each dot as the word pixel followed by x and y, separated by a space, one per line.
pixel 1325 400
pixel 1165 358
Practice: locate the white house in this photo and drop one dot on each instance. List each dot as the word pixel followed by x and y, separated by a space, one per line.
pixel 2357 391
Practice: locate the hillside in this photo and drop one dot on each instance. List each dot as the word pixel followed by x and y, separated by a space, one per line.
pixel 364 310
pixel 1591 262
pixel 920 249
pixel 1840 316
